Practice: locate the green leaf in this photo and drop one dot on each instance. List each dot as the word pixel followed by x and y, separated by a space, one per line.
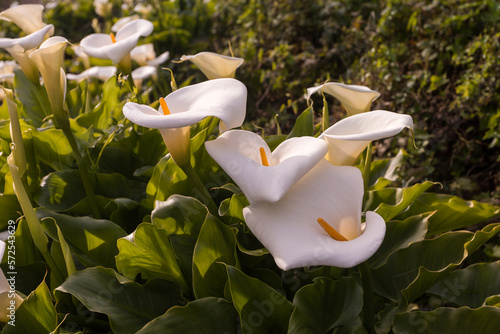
pixel 326 304
pixel 52 148
pixel 76 99
pixel 452 212
pixel 484 320
pixel 149 254
pixel 383 172
pixel 60 191
pixel 261 308
pixel 128 305
pixel 399 235
pixel 389 202
pixel 35 102
pixel 304 125
pixel 182 217
pixel 216 243
pixel 202 316
pixel 470 286
pixel 9 209
pixel 36 314
pixel 233 207
pixel 93 241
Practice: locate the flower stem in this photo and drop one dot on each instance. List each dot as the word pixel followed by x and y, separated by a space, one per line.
pixel 368 310
pixel 200 189
pixel 84 175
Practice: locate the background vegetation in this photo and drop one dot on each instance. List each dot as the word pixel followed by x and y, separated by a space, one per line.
pixel 437 61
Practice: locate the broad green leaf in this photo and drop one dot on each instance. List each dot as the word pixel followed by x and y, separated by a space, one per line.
pixel 76 99
pixel 36 314
pixel 383 172
pixel 52 148
pixel 150 254
pixel 274 140
pixel 202 316
pixel 470 286
pixel 216 243
pixel 182 217
pixel 60 191
pixel 452 212
pixel 35 102
pixel 93 241
pixel 431 259
pixel 326 304
pixel 389 202
pixel 399 235
pixel 484 320
pixel 128 305
pixel 304 124
pixel 233 207
pixel 354 327
pixel 261 308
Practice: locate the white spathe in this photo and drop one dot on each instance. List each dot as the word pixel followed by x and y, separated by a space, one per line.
pixel 102 46
pixel 355 99
pixel 145 55
pixel 222 98
pixel 238 153
pixel 102 73
pixel 350 136
pixel 214 65
pixel 28 42
pixel 289 227
pixel 26 17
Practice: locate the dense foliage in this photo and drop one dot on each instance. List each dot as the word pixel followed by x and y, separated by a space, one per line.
pixel 146 253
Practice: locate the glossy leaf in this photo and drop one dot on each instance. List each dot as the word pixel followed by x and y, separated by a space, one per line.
pixel 150 254
pixel 128 305
pixel 52 148
pixel 326 304
pixel 37 313
pixel 35 101
pixel 204 316
pixel 484 320
pixel 470 286
pixel 93 241
pixel 304 124
pixel 216 245
pixel 261 308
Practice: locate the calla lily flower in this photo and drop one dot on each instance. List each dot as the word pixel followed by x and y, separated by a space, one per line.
pixel 21 48
pixel 222 98
pixel 102 73
pixel 7 71
pixel 26 17
pixel 145 55
pixel 355 99
pixel 264 176
pixel 144 72
pixel 350 136
pixel 7 298
pixel 214 65
pixel 117 48
pixel 123 21
pixel 103 7
pixel 318 221
pixel 49 60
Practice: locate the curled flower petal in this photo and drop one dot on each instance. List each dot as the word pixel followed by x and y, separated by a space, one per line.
pixel 214 65
pixel 28 42
pixel 355 99
pixel 26 17
pixel 238 153
pixel 222 98
pixel 350 136
pixel 289 228
pixel 123 21
pixel 102 73
pixel 101 45
pixel 159 60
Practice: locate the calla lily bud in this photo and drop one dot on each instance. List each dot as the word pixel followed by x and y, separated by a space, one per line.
pixel 354 98
pixel 214 65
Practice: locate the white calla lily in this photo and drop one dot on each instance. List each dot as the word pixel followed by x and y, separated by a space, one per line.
pixel 222 98
pixel 291 231
pixel 262 175
pixel 123 21
pixel 145 55
pixel 117 48
pixel 102 73
pixel 49 59
pixel 26 17
pixel 350 136
pixel 28 42
pixel 355 99
pixel 214 65
pixel 7 299
pixel 144 72
pixel 103 7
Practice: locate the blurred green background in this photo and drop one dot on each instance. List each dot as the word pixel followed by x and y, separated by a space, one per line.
pixel 435 60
